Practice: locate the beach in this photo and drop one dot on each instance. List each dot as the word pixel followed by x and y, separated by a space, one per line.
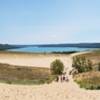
pixel 54 91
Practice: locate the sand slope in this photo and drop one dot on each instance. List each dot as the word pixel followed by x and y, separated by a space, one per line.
pixel 54 91
pixel 38 60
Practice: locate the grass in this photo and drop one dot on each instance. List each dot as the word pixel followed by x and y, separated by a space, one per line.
pixel 88 80
pixel 24 75
pixel 29 82
pixel 94 56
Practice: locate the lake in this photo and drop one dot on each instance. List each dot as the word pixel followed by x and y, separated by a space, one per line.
pixel 49 49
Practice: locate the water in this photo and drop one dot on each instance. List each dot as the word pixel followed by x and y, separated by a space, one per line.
pixel 49 49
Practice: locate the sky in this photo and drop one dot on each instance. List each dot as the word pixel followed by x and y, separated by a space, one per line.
pixel 49 21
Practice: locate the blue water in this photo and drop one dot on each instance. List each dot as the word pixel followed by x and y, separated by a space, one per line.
pixel 49 49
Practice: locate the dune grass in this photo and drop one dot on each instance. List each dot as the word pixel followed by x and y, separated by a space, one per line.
pixel 88 80
pixel 24 75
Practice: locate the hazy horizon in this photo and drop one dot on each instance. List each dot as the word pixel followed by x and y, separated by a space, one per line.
pixel 49 43
pixel 49 21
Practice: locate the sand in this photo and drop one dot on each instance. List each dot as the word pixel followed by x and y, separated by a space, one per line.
pixel 38 60
pixel 54 91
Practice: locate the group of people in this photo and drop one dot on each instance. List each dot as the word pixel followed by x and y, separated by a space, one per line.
pixel 62 78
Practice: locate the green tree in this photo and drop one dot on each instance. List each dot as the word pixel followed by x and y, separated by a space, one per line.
pixel 57 67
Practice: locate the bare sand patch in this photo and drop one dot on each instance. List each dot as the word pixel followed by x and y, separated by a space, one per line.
pixel 29 59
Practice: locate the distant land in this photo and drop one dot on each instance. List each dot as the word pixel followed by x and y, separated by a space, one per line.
pixel 80 45
pixel 8 46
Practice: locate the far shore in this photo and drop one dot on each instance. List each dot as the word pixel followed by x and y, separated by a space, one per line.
pixel 21 52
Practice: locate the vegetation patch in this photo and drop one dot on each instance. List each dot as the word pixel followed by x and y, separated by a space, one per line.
pixel 88 70
pixel 82 64
pixel 24 74
pixel 89 80
pixel 94 56
pixel 57 67
pixel 65 52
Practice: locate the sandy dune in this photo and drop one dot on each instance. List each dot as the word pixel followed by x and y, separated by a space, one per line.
pixel 54 91
pixel 38 60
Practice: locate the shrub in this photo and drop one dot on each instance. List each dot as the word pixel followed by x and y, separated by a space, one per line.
pixel 98 66
pixel 57 67
pixel 82 64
